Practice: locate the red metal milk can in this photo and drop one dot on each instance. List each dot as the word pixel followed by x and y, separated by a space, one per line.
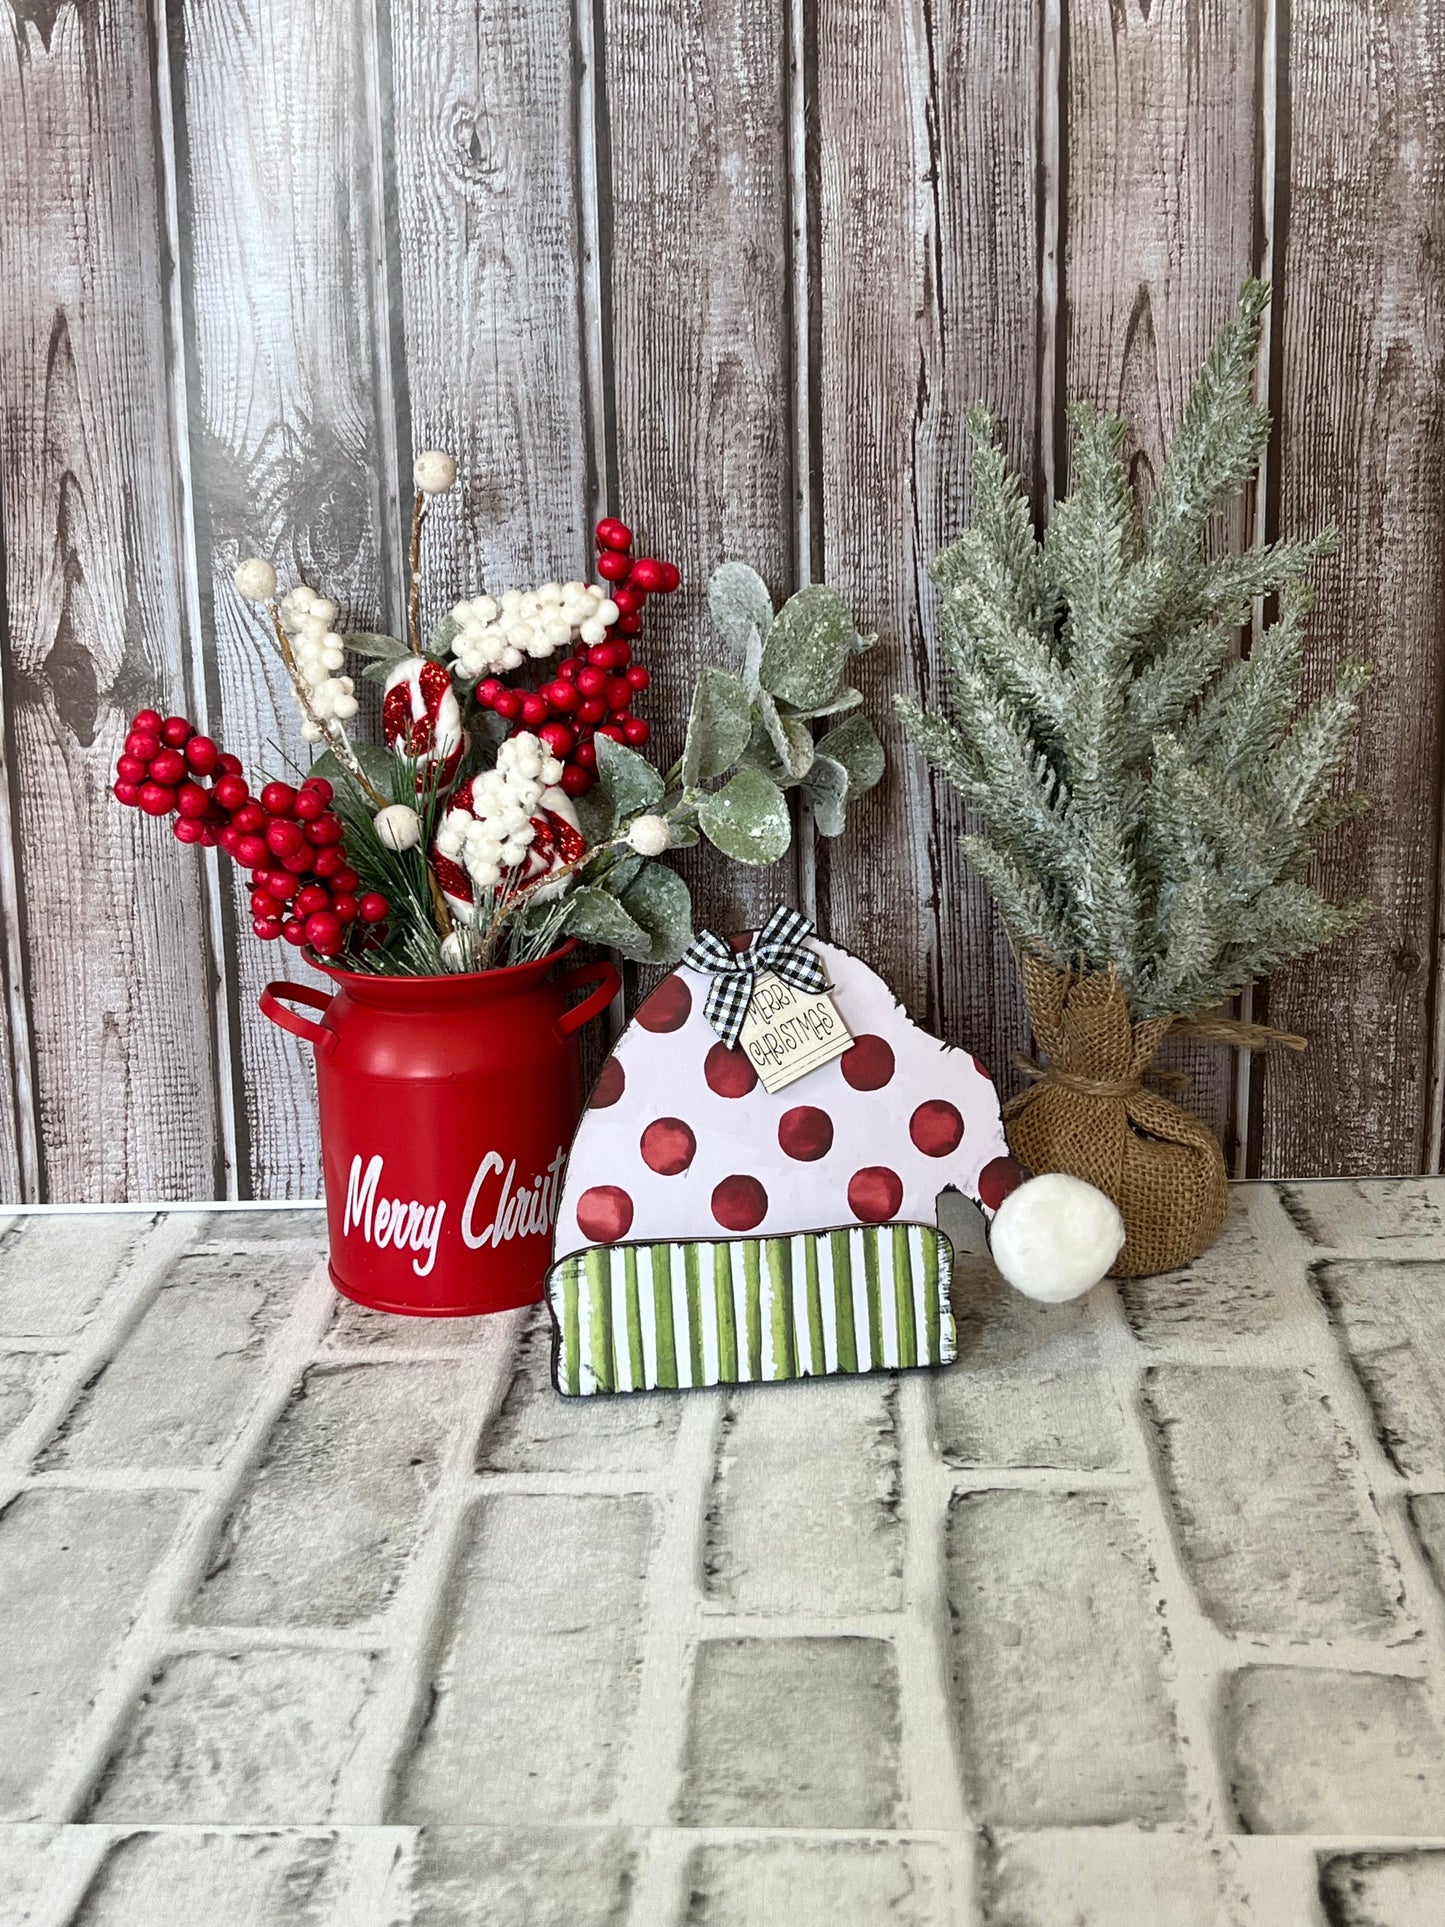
pixel 447 1108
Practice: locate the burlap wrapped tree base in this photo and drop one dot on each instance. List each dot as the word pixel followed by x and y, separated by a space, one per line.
pixel 1090 1114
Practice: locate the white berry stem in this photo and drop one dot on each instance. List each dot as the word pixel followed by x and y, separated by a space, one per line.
pixel 332 732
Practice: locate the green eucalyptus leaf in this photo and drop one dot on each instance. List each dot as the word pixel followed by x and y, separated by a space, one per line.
pixel 826 787
pixel 621 875
pixel 860 645
pixel 364 642
pixel 661 903
pixel 739 603
pixel 596 817
pixel 847 698
pixel 439 642
pixel 630 781
pixel 376 672
pixel 807 647
pixel 790 737
pixel 684 835
pixel 855 745
pixel 718 726
pixel 753 665
pixel 597 915
pixel 761 754
pixel 747 819
pixel 780 746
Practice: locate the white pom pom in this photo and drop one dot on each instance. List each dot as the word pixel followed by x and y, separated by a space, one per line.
pixel 650 835
pixel 398 826
pixel 1055 1237
pixel 256 580
pixel 434 471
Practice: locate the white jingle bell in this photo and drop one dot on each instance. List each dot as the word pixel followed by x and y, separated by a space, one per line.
pixel 1055 1237
pixel 398 827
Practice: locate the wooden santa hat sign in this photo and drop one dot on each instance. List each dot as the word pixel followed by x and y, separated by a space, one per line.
pixel 712 1231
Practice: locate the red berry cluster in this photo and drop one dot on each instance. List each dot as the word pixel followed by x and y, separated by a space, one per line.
pixel 594 689
pixel 302 887
pixel 162 769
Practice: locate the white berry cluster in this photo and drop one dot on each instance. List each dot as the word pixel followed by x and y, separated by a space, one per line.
pixel 495 832
pixel 307 618
pixel 494 636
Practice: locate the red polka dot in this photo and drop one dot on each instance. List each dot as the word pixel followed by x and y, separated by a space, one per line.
pixel 868 1064
pixel 981 1068
pixel 668 1006
pixel 611 1082
pixel 936 1128
pixel 806 1133
pixel 668 1146
pixel 729 1072
pixel 739 1203
pixel 604 1214
pixel 875 1194
pixel 740 939
pixel 997 1178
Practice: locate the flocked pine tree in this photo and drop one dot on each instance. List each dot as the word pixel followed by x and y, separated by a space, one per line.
pixel 1147 798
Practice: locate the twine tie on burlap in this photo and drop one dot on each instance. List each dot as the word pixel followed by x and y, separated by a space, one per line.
pixel 1087 1111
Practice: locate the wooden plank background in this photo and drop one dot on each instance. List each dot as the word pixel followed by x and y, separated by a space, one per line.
pixel 731 270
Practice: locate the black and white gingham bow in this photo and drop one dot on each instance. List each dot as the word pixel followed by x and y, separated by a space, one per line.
pixel 778 947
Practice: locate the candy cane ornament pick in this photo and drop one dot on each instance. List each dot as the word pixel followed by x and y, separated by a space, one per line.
pixel 421 718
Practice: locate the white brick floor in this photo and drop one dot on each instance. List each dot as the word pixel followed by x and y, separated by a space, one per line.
pixel 1133 1618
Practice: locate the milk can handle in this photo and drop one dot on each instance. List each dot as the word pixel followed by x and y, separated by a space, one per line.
pixel 608 983
pixel 273 1002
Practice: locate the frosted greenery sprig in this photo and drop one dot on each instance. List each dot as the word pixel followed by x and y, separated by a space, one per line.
pixel 1145 799
pixel 749 740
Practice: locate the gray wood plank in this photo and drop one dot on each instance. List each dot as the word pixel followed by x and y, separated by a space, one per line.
pixel 693 178
pixel 1362 444
pixel 926 299
pixel 1162 165
pixel 115 934
pixel 292 446
pixel 487 240
pixel 19 1145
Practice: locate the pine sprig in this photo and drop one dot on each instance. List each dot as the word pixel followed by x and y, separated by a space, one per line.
pixel 1148 799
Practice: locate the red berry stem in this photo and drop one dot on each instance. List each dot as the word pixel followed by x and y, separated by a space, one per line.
pixel 302 887
pixel 593 691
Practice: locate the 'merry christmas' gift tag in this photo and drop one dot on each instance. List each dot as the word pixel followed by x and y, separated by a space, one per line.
pixel 789 1032
pixel 712 1231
